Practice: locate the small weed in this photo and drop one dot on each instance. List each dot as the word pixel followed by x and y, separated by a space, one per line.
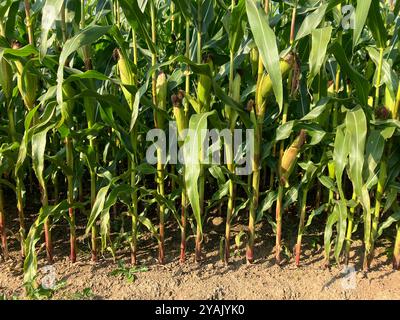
pixel 127 272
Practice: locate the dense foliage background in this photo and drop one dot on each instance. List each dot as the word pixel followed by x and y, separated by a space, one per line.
pixel 82 82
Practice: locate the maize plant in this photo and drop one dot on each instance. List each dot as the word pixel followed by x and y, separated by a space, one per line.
pixel 123 121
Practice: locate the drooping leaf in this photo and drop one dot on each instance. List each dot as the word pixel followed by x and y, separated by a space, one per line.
pixel 86 37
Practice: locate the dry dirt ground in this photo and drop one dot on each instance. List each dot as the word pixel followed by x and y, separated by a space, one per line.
pixel 211 279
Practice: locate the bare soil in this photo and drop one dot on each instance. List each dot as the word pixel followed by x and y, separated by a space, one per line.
pixel 212 279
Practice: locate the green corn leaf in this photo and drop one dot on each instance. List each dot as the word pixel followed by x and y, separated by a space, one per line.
pixel 38 149
pixel 362 10
pixel 388 76
pixel 284 131
pixel 4 6
pixel 22 152
pixel 332 219
pixel 185 7
pixel 341 228
pixel 192 150
pixel 311 22
pixel 396 8
pixel 340 155
pixel 362 85
pixel 317 111
pixel 395 217
pixel 150 226
pixel 105 212
pixel 356 128
pixel 86 37
pixel 266 204
pixel 265 40
pixel 373 154
pixel 142 4
pixel 34 235
pixel 137 20
pixel 328 183
pixel 376 25
pixel 23 52
pixel 50 14
pixel 98 207
pixel 320 40
pixel 234 25
pixel 314 214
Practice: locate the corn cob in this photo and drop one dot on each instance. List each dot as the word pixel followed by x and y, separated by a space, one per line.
pixel 161 90
pixel 289 158
pixel 204 89
pixel 254 56
pixel 126 75
pixel 27 82
pixel 6 82
pixel 179 114
pixel 231 114
pixel 265 87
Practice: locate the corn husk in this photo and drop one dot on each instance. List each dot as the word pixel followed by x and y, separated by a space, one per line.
pixel 179 114
pixel 6 79
pixel 161 92
pixel 231 114
pixel 289 158
pixel 265 87
pixel 28 85
pixel 254 56
pixel 204 90
pixel 266 84
pixel 67 108
pixel 127 76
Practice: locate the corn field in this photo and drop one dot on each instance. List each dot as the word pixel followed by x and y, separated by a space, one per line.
pixel 83 82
